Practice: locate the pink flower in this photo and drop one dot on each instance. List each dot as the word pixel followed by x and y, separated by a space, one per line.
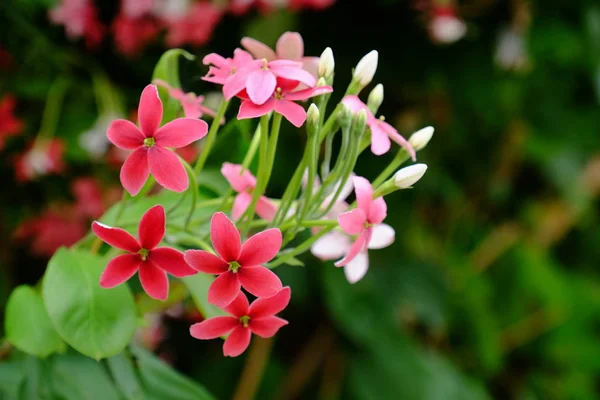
pixel 445 27
pixel 43 158
pixel 221 67
pixel 362 222
pixel 381 131
pixel 237 265
pixel 88 197
pixel 258 318
pixel 290 46
pixel 149 144
pixel 196 27
pixel 152 262
pixel 244 184
pixel 80 19
pixel 282 101
pixel 132 35
pixel 137 8
pixel 191 104
pixel 10 125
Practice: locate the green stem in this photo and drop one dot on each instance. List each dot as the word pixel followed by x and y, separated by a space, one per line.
pixel 51 115
pixel 290 192
pixel 399 159
pixel 211 137
pixel 252 149
pixel 300 249
pixel 194 188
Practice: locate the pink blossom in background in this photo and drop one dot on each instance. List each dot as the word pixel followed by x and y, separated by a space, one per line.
pixel 88 197
pixel 189 153
pixel 196 27
pixel 143 256
pixel 150 145
pixel 237 265
pixel 44 157
pixel 244 184
pixel 132 35
pixel 381 131
pixel 191 104
pixel 246 319
pixel 282 101
pixel 290 46
pixel 445 26
pixel 312 4
pixel 10 125
pixel 221 68
pixel 137 8
pixel 80 19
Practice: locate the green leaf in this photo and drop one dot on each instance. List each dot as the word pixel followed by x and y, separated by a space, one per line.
pixel 167 69
pixel 294 262
pixel 124 375
pixel 28 326
pixel 198 286
pixel 12 374
pixel 96 322
pixel 162 382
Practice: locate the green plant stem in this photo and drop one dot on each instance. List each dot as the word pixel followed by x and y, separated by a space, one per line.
pixel 211 137
pixel 194 188
pixel 290 192
pixel 254 369
pixel 313 159
pixel 400 158
pixel 300 248
pixel 252 149
pixel 51 114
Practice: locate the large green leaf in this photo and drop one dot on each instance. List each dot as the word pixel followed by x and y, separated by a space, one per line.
pixel 167 70
pixel 124 375
pixel 94 321
pixel 12 374
pixel 162 382
pixel 27 324
pixel 198 286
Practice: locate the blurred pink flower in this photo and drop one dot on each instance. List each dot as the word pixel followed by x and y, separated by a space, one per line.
pixel 80 19
pixel 244 184
pixel 44 157
pixel 444 26
pixel 10 125
pixel 137 8
pixel 196 27
pixel 313 4
pixel 133 34
pixel 191 104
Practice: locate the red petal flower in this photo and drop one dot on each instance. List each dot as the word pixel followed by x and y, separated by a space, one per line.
pixel 154 280
pixel 134 171
pixel 206 262
pixel 172 261
pixel 152 227
pixel 269 306
pixel 119 270
pixel 116 237
pixel 266 327
pixel 261 248
pixel 260 281
pixel 224 289
pixel 167 169
pixel 237 342
pixel 225 237
pixel 214 327
pixel 150 111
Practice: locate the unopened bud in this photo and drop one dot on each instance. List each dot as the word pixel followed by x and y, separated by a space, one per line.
pixel 365 69
pixel 408 176
pixel 345 117
pixel 420 138
pixel 326 63
pixel 359 123
pixel 321 82
pixel 312 119
pixel 375 98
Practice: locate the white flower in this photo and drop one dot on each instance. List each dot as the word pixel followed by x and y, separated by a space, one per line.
pixel 366 67
pixel 326 63
pixel 408 176
pixel 420 138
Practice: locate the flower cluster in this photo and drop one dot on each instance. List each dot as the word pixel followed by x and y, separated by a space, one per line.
pixel 269 84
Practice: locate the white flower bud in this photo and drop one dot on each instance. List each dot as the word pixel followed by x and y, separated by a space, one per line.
pixel 326 63
pixel 420 138
pixel 408 176
pixel 321 82
pixel 313 115
pixel 365 69
pixel 375 98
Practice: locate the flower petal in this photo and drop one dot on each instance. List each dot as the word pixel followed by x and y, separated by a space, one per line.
pixel 134 171
pixel 225 237
pixel 239 306
pixel 382 236
pixel 167 169
pixel 150 110
pixel 356 248
pixel 154 280
pixel 259 281
pixel 224 289
pixel 119 270
pixel 380 141
pixel 265 307
pixel 258 49
pixel 204 261
pixel 266 327
pixel 378 211
pixel 240 204
pixel 213 328
pixel 124 134
pixel 239 181
pixel 364 193
pixel 357 268
pixel 181 132
pixel 292 72
pixel 355 104
pixel 234 84
pixel 290 46
pixel 250 110
pixel 261 247
pixel 331 246
pixel 171 261
pixel 237 342
pixel 353 222
pixel 152 227
pixel 116 237
pixel 265 208
pixel 308 93
pixel 293 112
pixel 260 85
pixel 396 137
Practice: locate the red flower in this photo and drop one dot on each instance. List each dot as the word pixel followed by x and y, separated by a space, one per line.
pixel 237 264
pixel 133 34
pixel 149 144
pixel 152 262
pixel 258 318
pixel 195 27
pixel 9 124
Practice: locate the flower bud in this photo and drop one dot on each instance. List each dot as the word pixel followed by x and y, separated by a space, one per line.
pixel 375 98
pixel 420 138
pixel 321 82
pixel 312 119
pixel 359 123
pixel 326 63
pixel 408 176
pixel 345 116
pixel 365 69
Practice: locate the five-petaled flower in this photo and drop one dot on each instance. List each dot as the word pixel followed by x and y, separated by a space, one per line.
pixel 258 318
pixel 238 265
pixel 149 144
pixel 381 131
pixel 244 184
pixel 144 256
pixel 362 220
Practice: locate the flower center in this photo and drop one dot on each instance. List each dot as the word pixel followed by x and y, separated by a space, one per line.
pixel 278 94
pixel 368 225
pixel 381 118
pixel 144 254
pixel 244 320
pixel 234 266
pixel 149 142
pixel 264 64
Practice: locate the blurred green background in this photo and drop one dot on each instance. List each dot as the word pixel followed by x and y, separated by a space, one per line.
pixel 491 289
